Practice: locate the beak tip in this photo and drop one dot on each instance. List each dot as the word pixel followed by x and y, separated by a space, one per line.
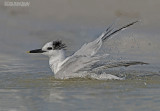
pixel 28 52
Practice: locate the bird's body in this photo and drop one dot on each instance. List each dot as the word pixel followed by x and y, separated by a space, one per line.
pixel 84 61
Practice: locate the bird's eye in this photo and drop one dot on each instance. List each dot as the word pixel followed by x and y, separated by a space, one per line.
pixel 49 48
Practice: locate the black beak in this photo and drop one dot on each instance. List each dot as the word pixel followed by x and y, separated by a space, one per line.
pixel 36 51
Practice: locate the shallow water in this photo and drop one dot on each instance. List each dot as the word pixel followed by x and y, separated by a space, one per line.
pixel 27 83
pixel 26 87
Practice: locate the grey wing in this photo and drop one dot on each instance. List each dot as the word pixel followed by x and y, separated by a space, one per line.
pixel 97 67
pixel 91 48
pixel 78 62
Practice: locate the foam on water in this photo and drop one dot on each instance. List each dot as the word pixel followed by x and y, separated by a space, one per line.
pixel 105 76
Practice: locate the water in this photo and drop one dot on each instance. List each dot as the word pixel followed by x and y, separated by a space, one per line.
pixel 27 83
pixel 31 89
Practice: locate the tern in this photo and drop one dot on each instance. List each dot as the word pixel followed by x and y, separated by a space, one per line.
pixel 85 62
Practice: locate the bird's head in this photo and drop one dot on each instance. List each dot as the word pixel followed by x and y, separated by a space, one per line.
pixel 50 48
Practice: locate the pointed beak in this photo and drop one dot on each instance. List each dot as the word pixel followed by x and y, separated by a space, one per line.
pixel 36 51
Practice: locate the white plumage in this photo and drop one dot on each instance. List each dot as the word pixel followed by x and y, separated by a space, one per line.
pixel 83 62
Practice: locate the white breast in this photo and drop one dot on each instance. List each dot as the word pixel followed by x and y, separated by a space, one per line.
pixel 56 61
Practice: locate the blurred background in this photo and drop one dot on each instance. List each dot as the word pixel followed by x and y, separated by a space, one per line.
pixel 79 21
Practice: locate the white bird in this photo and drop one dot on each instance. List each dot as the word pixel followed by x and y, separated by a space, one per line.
pixel 84 62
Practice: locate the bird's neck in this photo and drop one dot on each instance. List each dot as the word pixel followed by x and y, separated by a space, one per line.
pixel 56 60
